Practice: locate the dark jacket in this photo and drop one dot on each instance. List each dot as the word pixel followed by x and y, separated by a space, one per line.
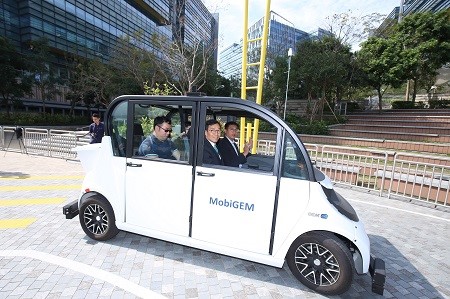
pixel 228 154
pixel 96 132
pixel 210 156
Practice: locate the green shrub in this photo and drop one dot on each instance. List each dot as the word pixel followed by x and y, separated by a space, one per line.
pixel 439 104
pixel 315 128
pixel 353 106
pixel 302 126
pixel 403 105
pixel 147 125
pixel 39 119
pixel 419 105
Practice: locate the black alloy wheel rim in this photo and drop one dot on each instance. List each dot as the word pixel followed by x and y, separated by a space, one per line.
pixel 95 219
pixel 317 264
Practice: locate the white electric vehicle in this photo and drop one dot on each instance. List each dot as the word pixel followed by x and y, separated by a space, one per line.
pixel 275 208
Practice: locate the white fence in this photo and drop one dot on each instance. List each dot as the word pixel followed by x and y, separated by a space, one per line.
pixel 415 178
pixel 411 176
pixel 52 143
pixel 353 166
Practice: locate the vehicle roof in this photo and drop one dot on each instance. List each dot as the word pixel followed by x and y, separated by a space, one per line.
pixel 193 98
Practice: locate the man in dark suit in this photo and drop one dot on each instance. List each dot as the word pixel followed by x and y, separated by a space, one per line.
pixel 212 135
pixel 228 148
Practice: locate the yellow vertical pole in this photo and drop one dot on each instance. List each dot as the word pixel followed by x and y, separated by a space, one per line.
pixel 249 132
pixel 263 53
pixel 245 132
pixel 244 53
pixel 242 134
pixel 244 72
pixel 261 72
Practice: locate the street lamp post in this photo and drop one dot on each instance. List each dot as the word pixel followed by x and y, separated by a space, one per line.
pixel 287 81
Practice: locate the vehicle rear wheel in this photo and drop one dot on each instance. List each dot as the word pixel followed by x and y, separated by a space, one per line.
pixel 97 219
pixel 321 262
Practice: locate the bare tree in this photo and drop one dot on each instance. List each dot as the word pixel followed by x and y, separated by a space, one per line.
pixel 91 82
pixel 186 58
pixel 136 62
pixel 351 29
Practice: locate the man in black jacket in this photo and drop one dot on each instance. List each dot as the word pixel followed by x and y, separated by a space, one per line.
pixel 212 135
pixel 96 129
pixel 228 148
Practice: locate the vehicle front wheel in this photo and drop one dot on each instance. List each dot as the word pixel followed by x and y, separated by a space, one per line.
pixel 321 262
pixel 97 219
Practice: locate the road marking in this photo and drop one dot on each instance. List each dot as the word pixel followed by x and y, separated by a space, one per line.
pixel 16 223
pixel 42 177
pixel 30 201
pixel 402 210
pixel 85 269
pixel 39 188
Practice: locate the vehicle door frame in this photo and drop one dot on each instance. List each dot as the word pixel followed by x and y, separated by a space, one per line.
pixel 161 101
pixel 278 157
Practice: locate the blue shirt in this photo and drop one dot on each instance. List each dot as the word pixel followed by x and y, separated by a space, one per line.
pixel 152 145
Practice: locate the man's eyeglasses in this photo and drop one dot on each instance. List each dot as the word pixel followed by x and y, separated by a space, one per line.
pixel 165 130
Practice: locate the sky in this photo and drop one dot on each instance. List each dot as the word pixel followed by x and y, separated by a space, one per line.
pixel 306 15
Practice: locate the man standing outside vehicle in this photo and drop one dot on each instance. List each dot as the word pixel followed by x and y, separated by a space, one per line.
pixel 212 135
pixel 229 149
pixel 158 144
pixel 96 129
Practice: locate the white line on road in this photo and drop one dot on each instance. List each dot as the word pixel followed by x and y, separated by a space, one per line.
pixel 111 278
pixel 403 210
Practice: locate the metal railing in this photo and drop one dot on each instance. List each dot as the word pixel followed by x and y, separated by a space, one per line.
pixel 414 179
pixel 353 166
pixel 35 141
pixel 51 143
pixel 411 176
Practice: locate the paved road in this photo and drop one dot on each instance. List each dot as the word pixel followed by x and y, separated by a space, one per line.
pixel 43 255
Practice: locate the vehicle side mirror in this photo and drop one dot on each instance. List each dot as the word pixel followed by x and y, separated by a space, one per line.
pixel 323 179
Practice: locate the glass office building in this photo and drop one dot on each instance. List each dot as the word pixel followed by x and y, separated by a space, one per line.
pixel 92 28
pixel 282 36
pixel 230 62
pixel 410 7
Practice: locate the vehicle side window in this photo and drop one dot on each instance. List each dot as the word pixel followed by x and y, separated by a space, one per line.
pixel 119 129
pixel 239 131
pixel 294 165
pixel 159 132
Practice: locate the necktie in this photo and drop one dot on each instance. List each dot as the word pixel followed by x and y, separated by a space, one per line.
pixel 217 150
pixel 236 149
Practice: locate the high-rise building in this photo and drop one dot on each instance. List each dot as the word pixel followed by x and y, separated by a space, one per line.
pixel 92 28
pixel 230 62
pixel 282 36
pixel 410 7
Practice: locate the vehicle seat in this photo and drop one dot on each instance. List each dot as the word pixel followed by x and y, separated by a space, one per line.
pixel 138 137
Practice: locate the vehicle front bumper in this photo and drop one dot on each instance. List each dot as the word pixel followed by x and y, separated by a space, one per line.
pixel 378 272
pixel 71 209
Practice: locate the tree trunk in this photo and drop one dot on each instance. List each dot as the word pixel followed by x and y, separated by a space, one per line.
pixel 41 89
pixel 414 91
pixel 6 103
pixel 380 97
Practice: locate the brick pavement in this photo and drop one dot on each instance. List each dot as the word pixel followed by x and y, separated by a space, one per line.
pixel 53 258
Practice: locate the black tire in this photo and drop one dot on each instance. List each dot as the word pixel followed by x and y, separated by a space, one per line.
pixel 97 219
pixel 322 262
